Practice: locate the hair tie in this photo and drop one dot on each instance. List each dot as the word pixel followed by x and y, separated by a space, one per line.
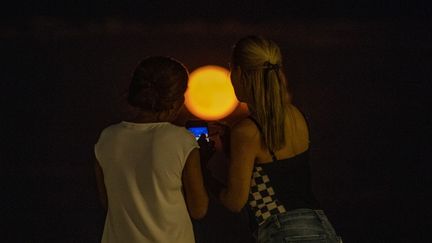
pixel 271 66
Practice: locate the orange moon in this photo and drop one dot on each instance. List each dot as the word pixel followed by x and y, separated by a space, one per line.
pixel 210 95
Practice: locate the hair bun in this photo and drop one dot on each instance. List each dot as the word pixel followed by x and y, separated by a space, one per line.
pixel 157 83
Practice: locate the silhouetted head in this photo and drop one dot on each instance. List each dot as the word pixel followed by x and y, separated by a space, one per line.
pixel 158 84
pixel 258 79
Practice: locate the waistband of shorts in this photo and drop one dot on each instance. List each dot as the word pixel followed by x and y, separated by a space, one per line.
pixel 318 213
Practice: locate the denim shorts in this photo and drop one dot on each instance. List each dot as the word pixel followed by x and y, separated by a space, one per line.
pixel 299 225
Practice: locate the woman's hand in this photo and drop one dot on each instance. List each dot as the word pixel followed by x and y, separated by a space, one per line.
pixel 207 149
pixel 220 133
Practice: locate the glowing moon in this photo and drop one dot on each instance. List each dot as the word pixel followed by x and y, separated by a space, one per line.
pixel 210 95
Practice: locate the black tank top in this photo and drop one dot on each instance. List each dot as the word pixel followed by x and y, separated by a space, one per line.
pixel 280 185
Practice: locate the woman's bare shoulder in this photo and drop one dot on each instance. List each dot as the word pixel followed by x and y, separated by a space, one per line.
pixel 297 115
pixel 300 127
pixel 245 129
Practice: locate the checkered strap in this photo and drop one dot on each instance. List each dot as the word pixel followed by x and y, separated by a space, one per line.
pixel 262 198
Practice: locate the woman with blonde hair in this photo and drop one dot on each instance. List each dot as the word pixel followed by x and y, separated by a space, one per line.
pixel 269 152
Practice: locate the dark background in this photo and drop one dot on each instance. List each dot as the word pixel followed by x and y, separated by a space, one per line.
pixel 360 71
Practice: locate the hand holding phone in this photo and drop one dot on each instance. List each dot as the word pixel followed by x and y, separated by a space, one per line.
pixel 198 128
pixel 207 152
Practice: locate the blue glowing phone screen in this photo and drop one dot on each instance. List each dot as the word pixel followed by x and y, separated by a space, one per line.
pixel 197 131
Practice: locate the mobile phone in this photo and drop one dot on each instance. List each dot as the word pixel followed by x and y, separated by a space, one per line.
pixel 198 127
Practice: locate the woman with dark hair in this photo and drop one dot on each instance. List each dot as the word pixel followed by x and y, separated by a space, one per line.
pixel 269 167
pixel 148 170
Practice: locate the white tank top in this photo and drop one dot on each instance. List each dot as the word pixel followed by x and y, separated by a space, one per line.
pixel 142 165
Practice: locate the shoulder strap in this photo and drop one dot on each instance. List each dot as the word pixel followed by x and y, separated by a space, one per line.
pixel 261 131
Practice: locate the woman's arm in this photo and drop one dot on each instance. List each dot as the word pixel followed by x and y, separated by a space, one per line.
pixel 101 185
pixel 245 142
pixel 195 193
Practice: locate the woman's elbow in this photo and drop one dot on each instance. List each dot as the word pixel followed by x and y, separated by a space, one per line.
pixel 198 208
pixel 235 208
pixel 199 212
pixel 233 205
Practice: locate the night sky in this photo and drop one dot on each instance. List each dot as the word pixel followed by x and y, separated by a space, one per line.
pixel 360 71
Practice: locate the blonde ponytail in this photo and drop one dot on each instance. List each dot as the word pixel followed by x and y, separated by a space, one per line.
pixel 261 63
